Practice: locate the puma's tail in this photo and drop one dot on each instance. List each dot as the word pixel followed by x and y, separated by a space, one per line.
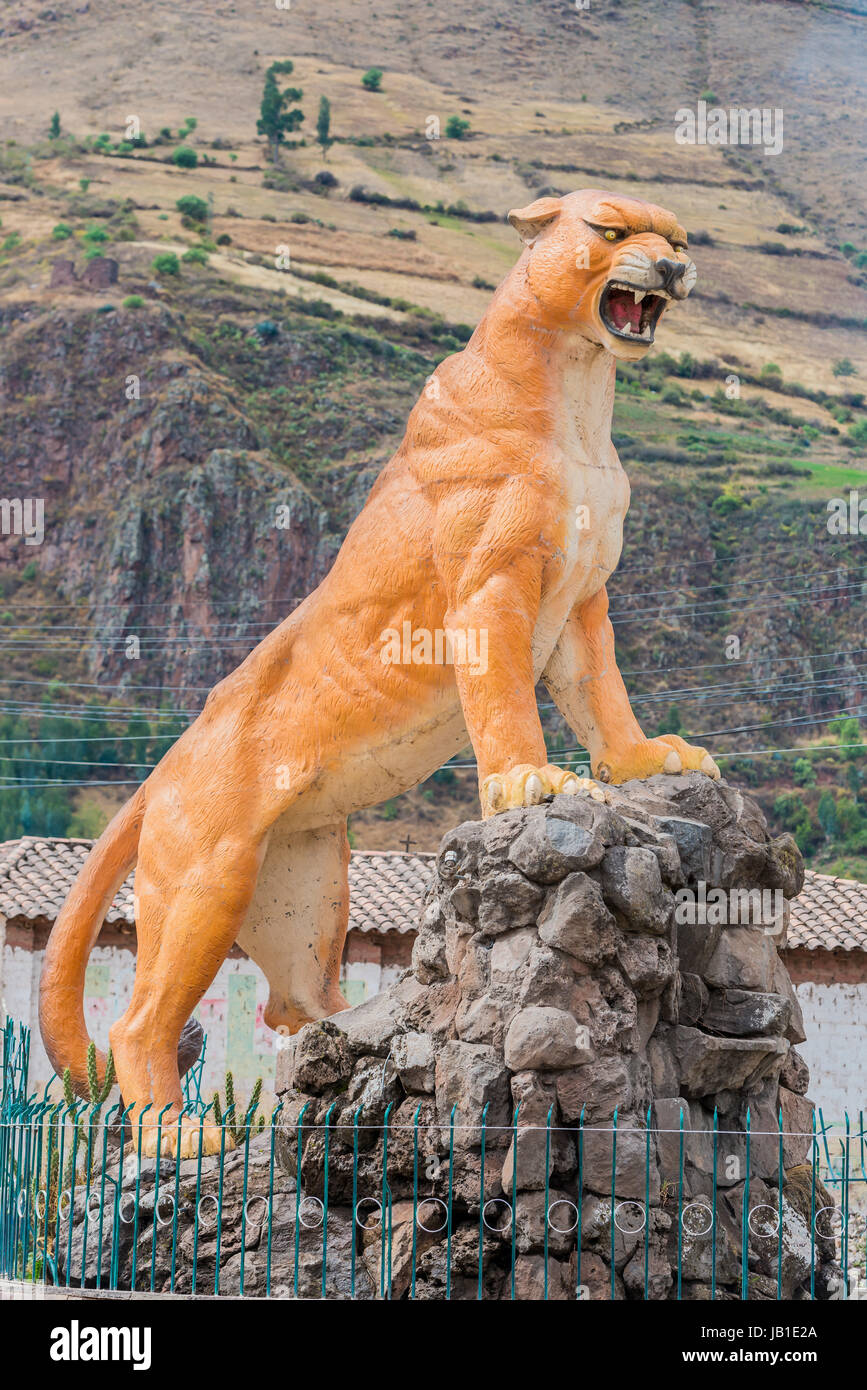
pixel 61 988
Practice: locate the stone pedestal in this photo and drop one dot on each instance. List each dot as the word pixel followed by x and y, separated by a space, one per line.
pixel 555 1098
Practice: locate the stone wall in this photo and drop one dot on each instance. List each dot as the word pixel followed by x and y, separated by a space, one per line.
pixel 563 991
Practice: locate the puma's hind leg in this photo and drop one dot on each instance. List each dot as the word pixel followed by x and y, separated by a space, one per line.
pixel 296 925
pixel 191 900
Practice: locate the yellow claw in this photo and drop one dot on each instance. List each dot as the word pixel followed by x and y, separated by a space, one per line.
pixel 526 785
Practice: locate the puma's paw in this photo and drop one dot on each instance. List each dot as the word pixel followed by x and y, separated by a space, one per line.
pixel 668 753
pixel 693 758
pixel 193 1134
pixel 527 785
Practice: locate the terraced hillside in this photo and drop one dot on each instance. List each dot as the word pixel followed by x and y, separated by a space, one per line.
pixel 204 428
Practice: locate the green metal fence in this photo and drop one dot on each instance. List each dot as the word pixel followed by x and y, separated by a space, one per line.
pixel 363 1205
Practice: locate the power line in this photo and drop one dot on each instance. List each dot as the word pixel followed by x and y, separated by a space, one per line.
pixel 29 786
pixel 59 711
pixel 135 628
pixel 714 609
pixel 724 605
pixel 722 584
pixel 455 767
pixel 711 692
pixel 783 547
pixel 634 671
pixel 737 753
pixel 89 738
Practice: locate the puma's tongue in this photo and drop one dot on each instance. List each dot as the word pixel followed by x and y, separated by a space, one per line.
pixel 623 310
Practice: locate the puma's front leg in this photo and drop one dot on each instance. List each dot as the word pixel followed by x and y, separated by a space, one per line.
pixel 491 634
pixel 588 689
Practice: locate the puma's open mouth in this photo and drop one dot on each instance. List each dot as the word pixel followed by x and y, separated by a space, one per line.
pixel 631 313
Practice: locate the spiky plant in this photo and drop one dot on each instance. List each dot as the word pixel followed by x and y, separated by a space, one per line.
pixel 98 1096
pixel 239 1131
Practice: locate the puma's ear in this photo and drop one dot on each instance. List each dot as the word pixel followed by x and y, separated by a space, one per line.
pixel 529 222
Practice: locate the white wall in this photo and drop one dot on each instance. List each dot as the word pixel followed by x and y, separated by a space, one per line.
pixel 835 1021
pixel 231 1012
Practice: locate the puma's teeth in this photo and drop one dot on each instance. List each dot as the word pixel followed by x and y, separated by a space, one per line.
pixel 639 295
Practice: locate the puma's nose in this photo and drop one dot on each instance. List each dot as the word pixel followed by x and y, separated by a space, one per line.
pixel 671 272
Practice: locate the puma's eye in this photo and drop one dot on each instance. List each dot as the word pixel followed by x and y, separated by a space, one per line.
pixel 679 246
pixel 611 235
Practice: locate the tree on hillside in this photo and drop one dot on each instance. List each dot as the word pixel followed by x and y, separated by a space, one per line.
pixel 54 128
pixel 276 119
pixel 323 126
pixel 372 80
pixel 843 367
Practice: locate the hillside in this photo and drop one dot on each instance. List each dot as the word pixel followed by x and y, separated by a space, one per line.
pixel 203 429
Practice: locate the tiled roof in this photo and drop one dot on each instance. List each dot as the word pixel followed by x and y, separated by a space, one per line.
pixel 830 914
pixel 36 875
pixel 385 888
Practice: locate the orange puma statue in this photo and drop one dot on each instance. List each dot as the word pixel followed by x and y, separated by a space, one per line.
pixel 477 566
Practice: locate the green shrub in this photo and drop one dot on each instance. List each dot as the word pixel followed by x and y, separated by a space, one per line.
pixel 372 79
pixel 858 431
pixel 166 263
pixel 456 127
pixel 62 232
pixel 193 207
pixel 88 821
pixel 826 812
pixel 197 255
pixel 843 367
pixel 224 239
pixel 133 301
pixel 726 503
pixel 804 773
pixel 185 157
pixel 794 816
